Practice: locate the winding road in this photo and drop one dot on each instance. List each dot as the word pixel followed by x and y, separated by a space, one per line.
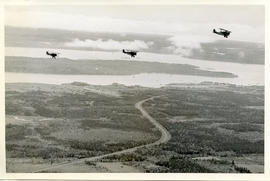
pixel 165 137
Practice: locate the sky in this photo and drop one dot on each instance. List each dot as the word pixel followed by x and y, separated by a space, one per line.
pixel 187 25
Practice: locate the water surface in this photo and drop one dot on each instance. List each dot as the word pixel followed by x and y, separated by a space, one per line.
pixel 248 74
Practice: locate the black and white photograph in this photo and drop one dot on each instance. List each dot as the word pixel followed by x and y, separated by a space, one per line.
pixel 134 88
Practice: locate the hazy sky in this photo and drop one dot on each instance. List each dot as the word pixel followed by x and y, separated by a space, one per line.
pixel 240 14
pixel 187 25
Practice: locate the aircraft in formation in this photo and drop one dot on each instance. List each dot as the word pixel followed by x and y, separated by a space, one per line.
pixel 53 54
pixel 133 53
pixel 222 32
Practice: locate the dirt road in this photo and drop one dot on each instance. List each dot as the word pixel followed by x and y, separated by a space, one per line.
pixel 165 137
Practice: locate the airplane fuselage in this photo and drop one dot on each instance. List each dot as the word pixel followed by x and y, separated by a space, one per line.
pixel 131 53
pixel 225 34
pixel 53 55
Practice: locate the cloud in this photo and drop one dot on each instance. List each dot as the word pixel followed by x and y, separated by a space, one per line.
pixel 110 44
pixel 184 35
pixel 88 23
pixel 120 25
pixel 202 33
pixel 184 43
pixel 241 55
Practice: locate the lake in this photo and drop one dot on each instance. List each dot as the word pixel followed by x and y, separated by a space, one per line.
pixel 248 74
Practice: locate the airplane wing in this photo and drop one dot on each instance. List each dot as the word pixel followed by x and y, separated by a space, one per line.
pixel 224 29
pixel 54 52
pixel 132 51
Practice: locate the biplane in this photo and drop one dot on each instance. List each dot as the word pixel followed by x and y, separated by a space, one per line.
pixel 52 54
pixel 132 53
pixel 222 32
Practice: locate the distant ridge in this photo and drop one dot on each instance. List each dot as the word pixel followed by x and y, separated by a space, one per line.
pixel 222 50
pixel 230 51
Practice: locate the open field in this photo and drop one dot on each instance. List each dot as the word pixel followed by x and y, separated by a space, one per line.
pixel 209 126
pixel 57 123
pixel 215 123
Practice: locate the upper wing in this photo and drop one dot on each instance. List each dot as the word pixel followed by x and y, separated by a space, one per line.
pixel 224 30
